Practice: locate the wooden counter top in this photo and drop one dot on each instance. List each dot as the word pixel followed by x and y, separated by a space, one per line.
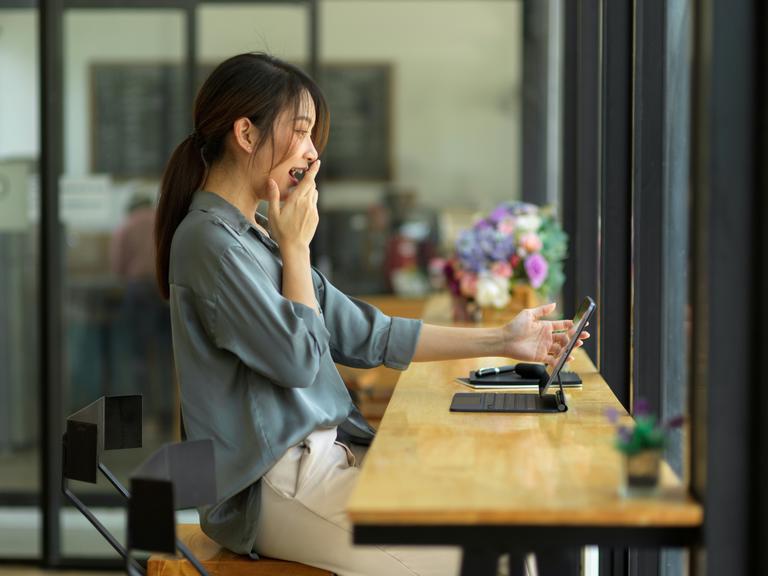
pixel 430 466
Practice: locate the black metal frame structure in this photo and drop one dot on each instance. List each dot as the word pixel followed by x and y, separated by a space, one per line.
pixel 647 217
pixel 729 287
pixel 482 545
pixel 603 156
pixel 51 13
pixel 616 126
pixel 581 157
pixel 535 72
pixel 614 313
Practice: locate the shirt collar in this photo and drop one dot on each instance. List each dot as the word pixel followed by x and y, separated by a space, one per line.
pixel 215 204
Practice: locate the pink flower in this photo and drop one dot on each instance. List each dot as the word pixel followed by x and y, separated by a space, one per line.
pixel 514 261
pixel 501 269
pixel 537 269
pixel 531 242
pixel 506 226
pixel 468 284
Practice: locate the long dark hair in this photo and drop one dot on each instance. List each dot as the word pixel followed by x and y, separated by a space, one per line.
pixel 254 86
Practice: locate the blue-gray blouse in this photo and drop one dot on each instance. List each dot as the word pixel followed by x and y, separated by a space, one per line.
pixel 256 370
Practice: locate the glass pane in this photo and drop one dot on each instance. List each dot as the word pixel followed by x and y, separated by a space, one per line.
pixel 19 217
pixel 677 254
pixel 124 105
pixel 425 132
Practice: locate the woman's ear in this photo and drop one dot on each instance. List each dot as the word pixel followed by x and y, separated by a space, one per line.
pixel 245 134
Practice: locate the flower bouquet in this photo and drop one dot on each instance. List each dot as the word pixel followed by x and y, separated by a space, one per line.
pixel 517 249
pixel 642 446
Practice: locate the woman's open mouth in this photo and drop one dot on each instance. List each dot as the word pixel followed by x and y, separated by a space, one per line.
pixel 296 174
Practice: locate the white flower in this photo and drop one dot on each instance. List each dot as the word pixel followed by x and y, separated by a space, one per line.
pixel 492 291
pixel 528 223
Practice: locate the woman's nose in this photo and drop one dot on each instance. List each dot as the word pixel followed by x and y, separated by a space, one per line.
pixel 311 152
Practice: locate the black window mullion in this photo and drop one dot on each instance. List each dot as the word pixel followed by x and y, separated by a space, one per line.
pixel 616 149
pixel 568 151
pixel 615 229
pixel 647 201
pixel 760 532
pixel 727 358
pixel 588 158
pixel 648 194
pixel 535 47
pixel 581 206
pixel 51 274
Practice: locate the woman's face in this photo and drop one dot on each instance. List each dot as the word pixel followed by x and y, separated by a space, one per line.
pixel 294 149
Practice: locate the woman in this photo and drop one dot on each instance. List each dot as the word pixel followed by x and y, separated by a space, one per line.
pixel 256 330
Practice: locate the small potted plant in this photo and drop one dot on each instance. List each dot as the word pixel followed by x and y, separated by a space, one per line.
pixel 642 446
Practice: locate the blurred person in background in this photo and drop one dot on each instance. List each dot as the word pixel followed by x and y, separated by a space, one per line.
pixel 144 317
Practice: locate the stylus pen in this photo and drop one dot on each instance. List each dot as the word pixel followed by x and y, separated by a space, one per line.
pixel 497 370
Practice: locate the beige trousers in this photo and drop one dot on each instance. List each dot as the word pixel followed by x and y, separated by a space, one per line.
pixel 302 517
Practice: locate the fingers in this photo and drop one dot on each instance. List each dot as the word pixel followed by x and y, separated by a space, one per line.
pixel 544 310
pixel 560 339
pixel 561 325
pixel 273 195
pixel 308 182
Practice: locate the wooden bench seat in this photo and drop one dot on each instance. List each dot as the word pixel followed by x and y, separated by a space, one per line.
pixel 219 561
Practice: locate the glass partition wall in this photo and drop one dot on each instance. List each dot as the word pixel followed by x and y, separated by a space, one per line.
pixel 426 110
pixel 425 133
pixel 125 109
pixel 19 282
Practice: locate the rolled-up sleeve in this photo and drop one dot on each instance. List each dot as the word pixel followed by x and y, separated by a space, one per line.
pixel 280 339
pixel 361 335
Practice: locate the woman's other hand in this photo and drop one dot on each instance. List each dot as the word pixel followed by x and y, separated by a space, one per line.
pixel 532 338
pixel 293 224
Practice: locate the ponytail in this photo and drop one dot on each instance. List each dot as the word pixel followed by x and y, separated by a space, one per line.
pixel 182 177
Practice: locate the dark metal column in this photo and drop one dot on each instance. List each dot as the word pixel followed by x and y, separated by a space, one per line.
pixel 585 243
pixel 615 230
pixel 51 273
pixel 535 72
pixel 190 62
pixel 569 145
pixel 616 185
pixel 581 156
pixel 648 200
pixel 728 348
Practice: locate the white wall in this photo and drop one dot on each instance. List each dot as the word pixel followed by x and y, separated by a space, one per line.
pixel 456 74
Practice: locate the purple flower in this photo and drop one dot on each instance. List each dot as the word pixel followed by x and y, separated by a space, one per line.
pixel 499 213
pixel 641 407
pixel 625 434
pixel 612 414
pixel 675 422
pixel 469 252
pixel 537 269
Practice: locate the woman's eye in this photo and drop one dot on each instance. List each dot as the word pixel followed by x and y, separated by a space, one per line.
pixel 302 132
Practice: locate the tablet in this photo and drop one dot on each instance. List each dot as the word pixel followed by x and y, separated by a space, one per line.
pixel 583 314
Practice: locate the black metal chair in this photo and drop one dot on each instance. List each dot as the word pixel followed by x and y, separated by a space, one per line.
pixel 163 483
